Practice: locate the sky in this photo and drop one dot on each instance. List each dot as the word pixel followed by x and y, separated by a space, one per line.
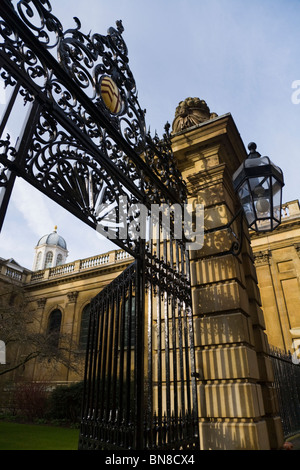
pixel 240 57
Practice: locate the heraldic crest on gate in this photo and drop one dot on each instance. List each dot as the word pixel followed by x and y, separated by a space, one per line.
pixel 84 144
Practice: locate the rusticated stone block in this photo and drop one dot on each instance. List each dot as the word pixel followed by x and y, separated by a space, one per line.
pixel 276 436
pixel 265 368
pixel 261 340
pixel 211 270
pixel 223 329
pixel 256 314
pixel 239 400
pixel 219 297
pixel 229 363
pixel 270 397
pixel 234 436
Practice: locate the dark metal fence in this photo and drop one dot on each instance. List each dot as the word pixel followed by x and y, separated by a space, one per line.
pixel 287 383
pixel 153 404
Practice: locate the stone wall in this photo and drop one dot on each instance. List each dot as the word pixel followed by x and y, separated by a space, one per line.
pixel 237 406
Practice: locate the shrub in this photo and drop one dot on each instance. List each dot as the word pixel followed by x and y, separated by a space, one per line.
pixel 31 399
pixel 65 402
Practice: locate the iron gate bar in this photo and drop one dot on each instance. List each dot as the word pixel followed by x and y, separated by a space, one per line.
pixel 140 346
pixel 18 153
pixel 9 106
pixel 7 189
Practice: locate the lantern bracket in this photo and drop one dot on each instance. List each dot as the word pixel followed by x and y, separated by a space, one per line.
pixel 237 243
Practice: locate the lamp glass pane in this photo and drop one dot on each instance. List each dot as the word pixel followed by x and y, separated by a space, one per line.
pixel 261 195
pixel 276 191
pixel 245 198
pixel 257 162
pixel 264 225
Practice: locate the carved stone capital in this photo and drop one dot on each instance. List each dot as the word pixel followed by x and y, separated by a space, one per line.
pixel 262 257
pixel 41 302
pixel 72 296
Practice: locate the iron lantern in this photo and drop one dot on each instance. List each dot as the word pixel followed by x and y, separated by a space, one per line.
pixel 258 183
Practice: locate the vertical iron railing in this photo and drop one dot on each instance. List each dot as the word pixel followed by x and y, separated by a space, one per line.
pixel 109 414
pixel 287 385
pixel 172 401
pixel 140 389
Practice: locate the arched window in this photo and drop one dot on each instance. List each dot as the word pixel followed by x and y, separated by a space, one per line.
pixel 49 259
pixel 38 261
pixel 84 327
pixel 54 324
pixel 59 260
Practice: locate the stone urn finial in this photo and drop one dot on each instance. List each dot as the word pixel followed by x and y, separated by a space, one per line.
pixel 189 113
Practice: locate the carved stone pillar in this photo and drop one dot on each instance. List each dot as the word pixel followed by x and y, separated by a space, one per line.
pixel 235 375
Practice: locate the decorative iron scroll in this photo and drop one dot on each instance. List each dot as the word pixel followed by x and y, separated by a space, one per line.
pixel 84 144
pixel 68 86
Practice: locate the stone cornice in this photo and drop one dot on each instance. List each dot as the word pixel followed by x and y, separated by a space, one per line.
pixel 221 130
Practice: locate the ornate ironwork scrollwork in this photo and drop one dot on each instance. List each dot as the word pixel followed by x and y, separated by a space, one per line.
pixel 46 24
pixel 62 166
pixel 8 153
pixel 4 174
pixel 159 156
pixel 86 59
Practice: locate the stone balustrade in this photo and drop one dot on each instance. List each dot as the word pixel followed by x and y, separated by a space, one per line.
pixel 290 209
pixel 82 265
pixel 13 274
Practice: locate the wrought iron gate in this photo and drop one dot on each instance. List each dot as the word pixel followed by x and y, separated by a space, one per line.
pixel 137 395
pixel 85 146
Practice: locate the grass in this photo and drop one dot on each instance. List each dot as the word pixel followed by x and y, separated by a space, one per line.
pixel 15 436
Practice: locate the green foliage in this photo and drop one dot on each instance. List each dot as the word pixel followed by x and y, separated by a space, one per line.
pixel 65 403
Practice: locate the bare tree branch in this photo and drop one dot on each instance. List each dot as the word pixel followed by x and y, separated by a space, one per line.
pixel 20 329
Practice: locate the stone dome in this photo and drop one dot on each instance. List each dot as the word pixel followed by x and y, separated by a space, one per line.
pixel 53 239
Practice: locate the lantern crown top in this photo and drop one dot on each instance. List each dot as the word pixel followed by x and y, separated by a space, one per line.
pixel 253 153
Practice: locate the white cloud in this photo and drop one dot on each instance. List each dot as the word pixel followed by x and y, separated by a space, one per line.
pixel 33 207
